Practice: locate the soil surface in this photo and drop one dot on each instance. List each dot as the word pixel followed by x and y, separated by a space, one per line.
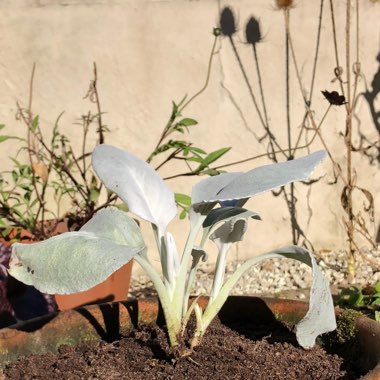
pixel 233 352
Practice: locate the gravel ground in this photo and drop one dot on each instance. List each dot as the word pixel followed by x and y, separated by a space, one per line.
pixel 282 277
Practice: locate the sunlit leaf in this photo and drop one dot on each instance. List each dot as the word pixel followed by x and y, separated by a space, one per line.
pixel 212 157
pixel 230 186
pixel 320 317
pixel 76 261
pixel 136 183
pixel 187 122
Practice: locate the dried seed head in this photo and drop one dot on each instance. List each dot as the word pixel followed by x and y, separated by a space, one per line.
pixel 283 4
pixel 334 98
pixel 252 31
pixel 227 22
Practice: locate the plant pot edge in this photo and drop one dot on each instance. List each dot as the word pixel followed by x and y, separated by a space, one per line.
pixel 91 322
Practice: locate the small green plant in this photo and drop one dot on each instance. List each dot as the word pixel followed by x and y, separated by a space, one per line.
pixel 77 261
pixel 54 168
pixel 365 298
pixel 343 340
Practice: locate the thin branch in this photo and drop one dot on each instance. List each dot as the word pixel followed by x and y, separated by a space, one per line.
pixel 316 51
pixel 97 101
pixel 207 77
pixel 338 70
pixel 167 129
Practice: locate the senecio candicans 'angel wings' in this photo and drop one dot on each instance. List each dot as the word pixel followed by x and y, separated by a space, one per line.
pixel 76 261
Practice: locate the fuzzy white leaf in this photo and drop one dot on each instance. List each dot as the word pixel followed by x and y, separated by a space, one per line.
pixel 221 214
pixel 234 186
pixel 226 213
pixel 116 225
pixel 207 188
pixel 230 231
pixel 172 256
pixel 320 317
pixel 136 183
pixel 76 261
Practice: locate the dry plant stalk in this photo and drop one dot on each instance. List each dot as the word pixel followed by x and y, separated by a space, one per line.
pixel 356 220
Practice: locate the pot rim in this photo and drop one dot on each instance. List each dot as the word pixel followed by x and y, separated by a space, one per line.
pixel 108 321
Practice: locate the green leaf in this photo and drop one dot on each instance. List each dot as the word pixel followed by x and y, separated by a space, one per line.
pixel 376 301
pixel 14 176
pixel 194 149
pixel 122 207
pixel 213 156
pixel 357 299
pixel 211 172
pixel 174 108
pixel 35 123
pixel 183 214
pixel 5 195
pixel 94 194
pixel 187 122
pixel 179 129
pixel 183 199
pixel 27 195
pixel 195 159
pixel 377 287
pixel 4 138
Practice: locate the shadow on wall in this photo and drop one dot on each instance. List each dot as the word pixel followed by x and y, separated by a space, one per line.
pixel 370 96
pixel 277 150
pixel 263 133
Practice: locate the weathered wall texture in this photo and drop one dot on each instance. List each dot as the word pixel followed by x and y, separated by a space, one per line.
pixel 149 53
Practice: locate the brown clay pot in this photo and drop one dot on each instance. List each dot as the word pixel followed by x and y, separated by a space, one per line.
pixel 108 321
pixel 114 288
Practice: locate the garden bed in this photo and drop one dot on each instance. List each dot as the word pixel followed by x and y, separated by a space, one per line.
pixel 245 342
pixel 267 353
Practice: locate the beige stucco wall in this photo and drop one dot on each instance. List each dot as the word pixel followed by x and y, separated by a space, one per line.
pixel 149 53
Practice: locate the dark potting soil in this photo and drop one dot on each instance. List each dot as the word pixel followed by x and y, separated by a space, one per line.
pixel 233 352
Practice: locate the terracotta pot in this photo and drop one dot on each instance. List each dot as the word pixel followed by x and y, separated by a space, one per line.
pixel 55 227
pixel 114 288
pixel 108 321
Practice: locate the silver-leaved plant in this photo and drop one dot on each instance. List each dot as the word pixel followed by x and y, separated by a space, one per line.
pixel 76 261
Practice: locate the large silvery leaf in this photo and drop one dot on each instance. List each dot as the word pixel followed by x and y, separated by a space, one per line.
pixel 116 225
pixel 76 261
pixel 207 188
pixel 221 214
pixel 136 183
pixel 255 181
pixel 320 317
pixel 225 213
pixel 230 232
